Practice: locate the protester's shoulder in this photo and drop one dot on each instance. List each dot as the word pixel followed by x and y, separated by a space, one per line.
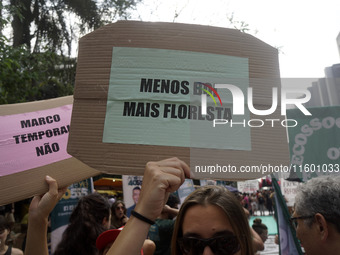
pixel 16 251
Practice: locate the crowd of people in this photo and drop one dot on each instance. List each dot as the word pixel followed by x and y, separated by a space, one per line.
pixel 259 203
pixel 211 220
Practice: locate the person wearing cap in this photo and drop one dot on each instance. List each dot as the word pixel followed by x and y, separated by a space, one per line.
pixel 107 238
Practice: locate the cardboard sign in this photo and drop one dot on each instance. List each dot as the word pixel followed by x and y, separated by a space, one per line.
pixel 33 139
pixel 141 90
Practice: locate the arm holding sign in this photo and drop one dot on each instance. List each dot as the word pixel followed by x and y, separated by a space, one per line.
pixel 39 210
pixel 160 179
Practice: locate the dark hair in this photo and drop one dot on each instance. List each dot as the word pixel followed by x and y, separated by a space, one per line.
pixel 173 200
pixel 115 222
pixel 86 224
pixel 258 226
pixel 136 188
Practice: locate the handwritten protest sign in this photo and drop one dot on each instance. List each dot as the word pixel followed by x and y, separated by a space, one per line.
pixel 33 140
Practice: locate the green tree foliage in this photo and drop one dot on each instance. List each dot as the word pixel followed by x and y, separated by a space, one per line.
pixel 38 64
pixel 26 76
pixel 55 23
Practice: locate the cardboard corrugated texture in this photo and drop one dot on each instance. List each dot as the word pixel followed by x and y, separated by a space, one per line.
pixel 19 186
pixel 269 145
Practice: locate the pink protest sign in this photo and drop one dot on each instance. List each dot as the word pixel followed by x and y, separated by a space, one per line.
pixel 33 139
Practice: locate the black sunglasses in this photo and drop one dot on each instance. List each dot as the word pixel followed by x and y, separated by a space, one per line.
pixel 293 220
pixel 220 245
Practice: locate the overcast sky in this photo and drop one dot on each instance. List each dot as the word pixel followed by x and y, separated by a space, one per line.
pixel 305 31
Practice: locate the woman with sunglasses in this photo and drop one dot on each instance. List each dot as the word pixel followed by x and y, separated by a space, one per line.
pixel 211 221
pixel 118 214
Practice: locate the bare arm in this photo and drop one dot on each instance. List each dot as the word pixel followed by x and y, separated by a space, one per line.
pixel 171 211
pixel 40 208
pixel 160 179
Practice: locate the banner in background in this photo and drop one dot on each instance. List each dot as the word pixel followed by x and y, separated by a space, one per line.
pixel 207 182
pixel 289 189
pixel 63 210
pixel 131 190
pixel 314 143
pixel 250 186
pixel 289 244
pixel 186 188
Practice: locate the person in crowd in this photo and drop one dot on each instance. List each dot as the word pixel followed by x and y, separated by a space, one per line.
pixel 118 212
pixel 5 230
pixel 253 203
pixel 173 202
pixel 316 215
pixel 135 196
pixel 211 220
pixel 261 203
pixel 269 202
pixel 90 218
pixel 245 202
pixel 107 238
pixel 161 231
pixel 9 214
pixel 260 228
